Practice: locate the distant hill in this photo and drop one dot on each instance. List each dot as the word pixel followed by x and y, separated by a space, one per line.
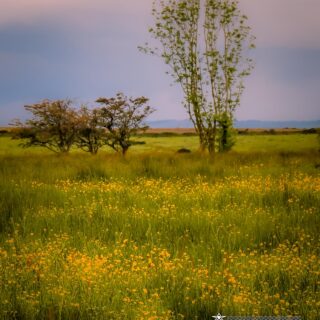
pixel 241 124
pixel 277 124
pixel 170 124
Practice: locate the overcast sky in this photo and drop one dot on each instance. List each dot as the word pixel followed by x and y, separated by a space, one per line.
pixel 84 49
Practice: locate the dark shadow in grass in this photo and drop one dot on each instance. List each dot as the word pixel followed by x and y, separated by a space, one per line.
pixel 17 200
pixel 89 174
pixel 192 308
pixel 184 150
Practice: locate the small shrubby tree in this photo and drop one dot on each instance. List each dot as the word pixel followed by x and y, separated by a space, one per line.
pixel 226 134
pixel 91 136
pixel 57 126
pixel 122 117
pixel 54 125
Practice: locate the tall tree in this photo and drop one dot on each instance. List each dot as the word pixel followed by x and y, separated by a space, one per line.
pixel 204 42
pixel 123 117
pixel 54 125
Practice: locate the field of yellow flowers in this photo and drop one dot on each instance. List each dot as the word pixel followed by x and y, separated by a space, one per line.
pixel 159 236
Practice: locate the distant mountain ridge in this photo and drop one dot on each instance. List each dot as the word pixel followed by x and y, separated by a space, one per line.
pixel 241 124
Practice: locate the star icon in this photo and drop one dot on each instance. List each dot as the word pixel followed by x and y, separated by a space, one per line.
pixel 218 317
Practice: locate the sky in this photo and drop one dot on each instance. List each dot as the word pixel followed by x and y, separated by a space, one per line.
pixel 85 49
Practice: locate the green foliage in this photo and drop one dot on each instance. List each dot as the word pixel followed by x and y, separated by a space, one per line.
pixel 226 134
pixel 209 60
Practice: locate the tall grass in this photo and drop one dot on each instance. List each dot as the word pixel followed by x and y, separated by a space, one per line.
pixel 159 235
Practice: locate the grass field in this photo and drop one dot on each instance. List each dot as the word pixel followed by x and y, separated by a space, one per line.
pixel 161 235
pixel 244 143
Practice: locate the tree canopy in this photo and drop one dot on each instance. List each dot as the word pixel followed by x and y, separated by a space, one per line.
pixel 123 117
pixel 205 44
pixel 57 126
pixel 53 125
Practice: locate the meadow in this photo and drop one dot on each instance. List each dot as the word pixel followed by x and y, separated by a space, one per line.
pixel 161 235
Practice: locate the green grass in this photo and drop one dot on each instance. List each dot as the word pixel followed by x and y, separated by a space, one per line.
pixel 244 143
pixel 161 235
pixel 271 143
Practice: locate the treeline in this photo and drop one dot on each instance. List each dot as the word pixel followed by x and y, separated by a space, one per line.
pixel 58 125
pixel 188 133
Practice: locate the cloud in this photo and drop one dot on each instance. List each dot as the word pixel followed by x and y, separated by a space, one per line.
pixel 83 12
pixel 88 48
pixel 289 65
pixel 293 23
pixel 168 105
pixel 286 23
pixel 284 86
pixel 279 102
